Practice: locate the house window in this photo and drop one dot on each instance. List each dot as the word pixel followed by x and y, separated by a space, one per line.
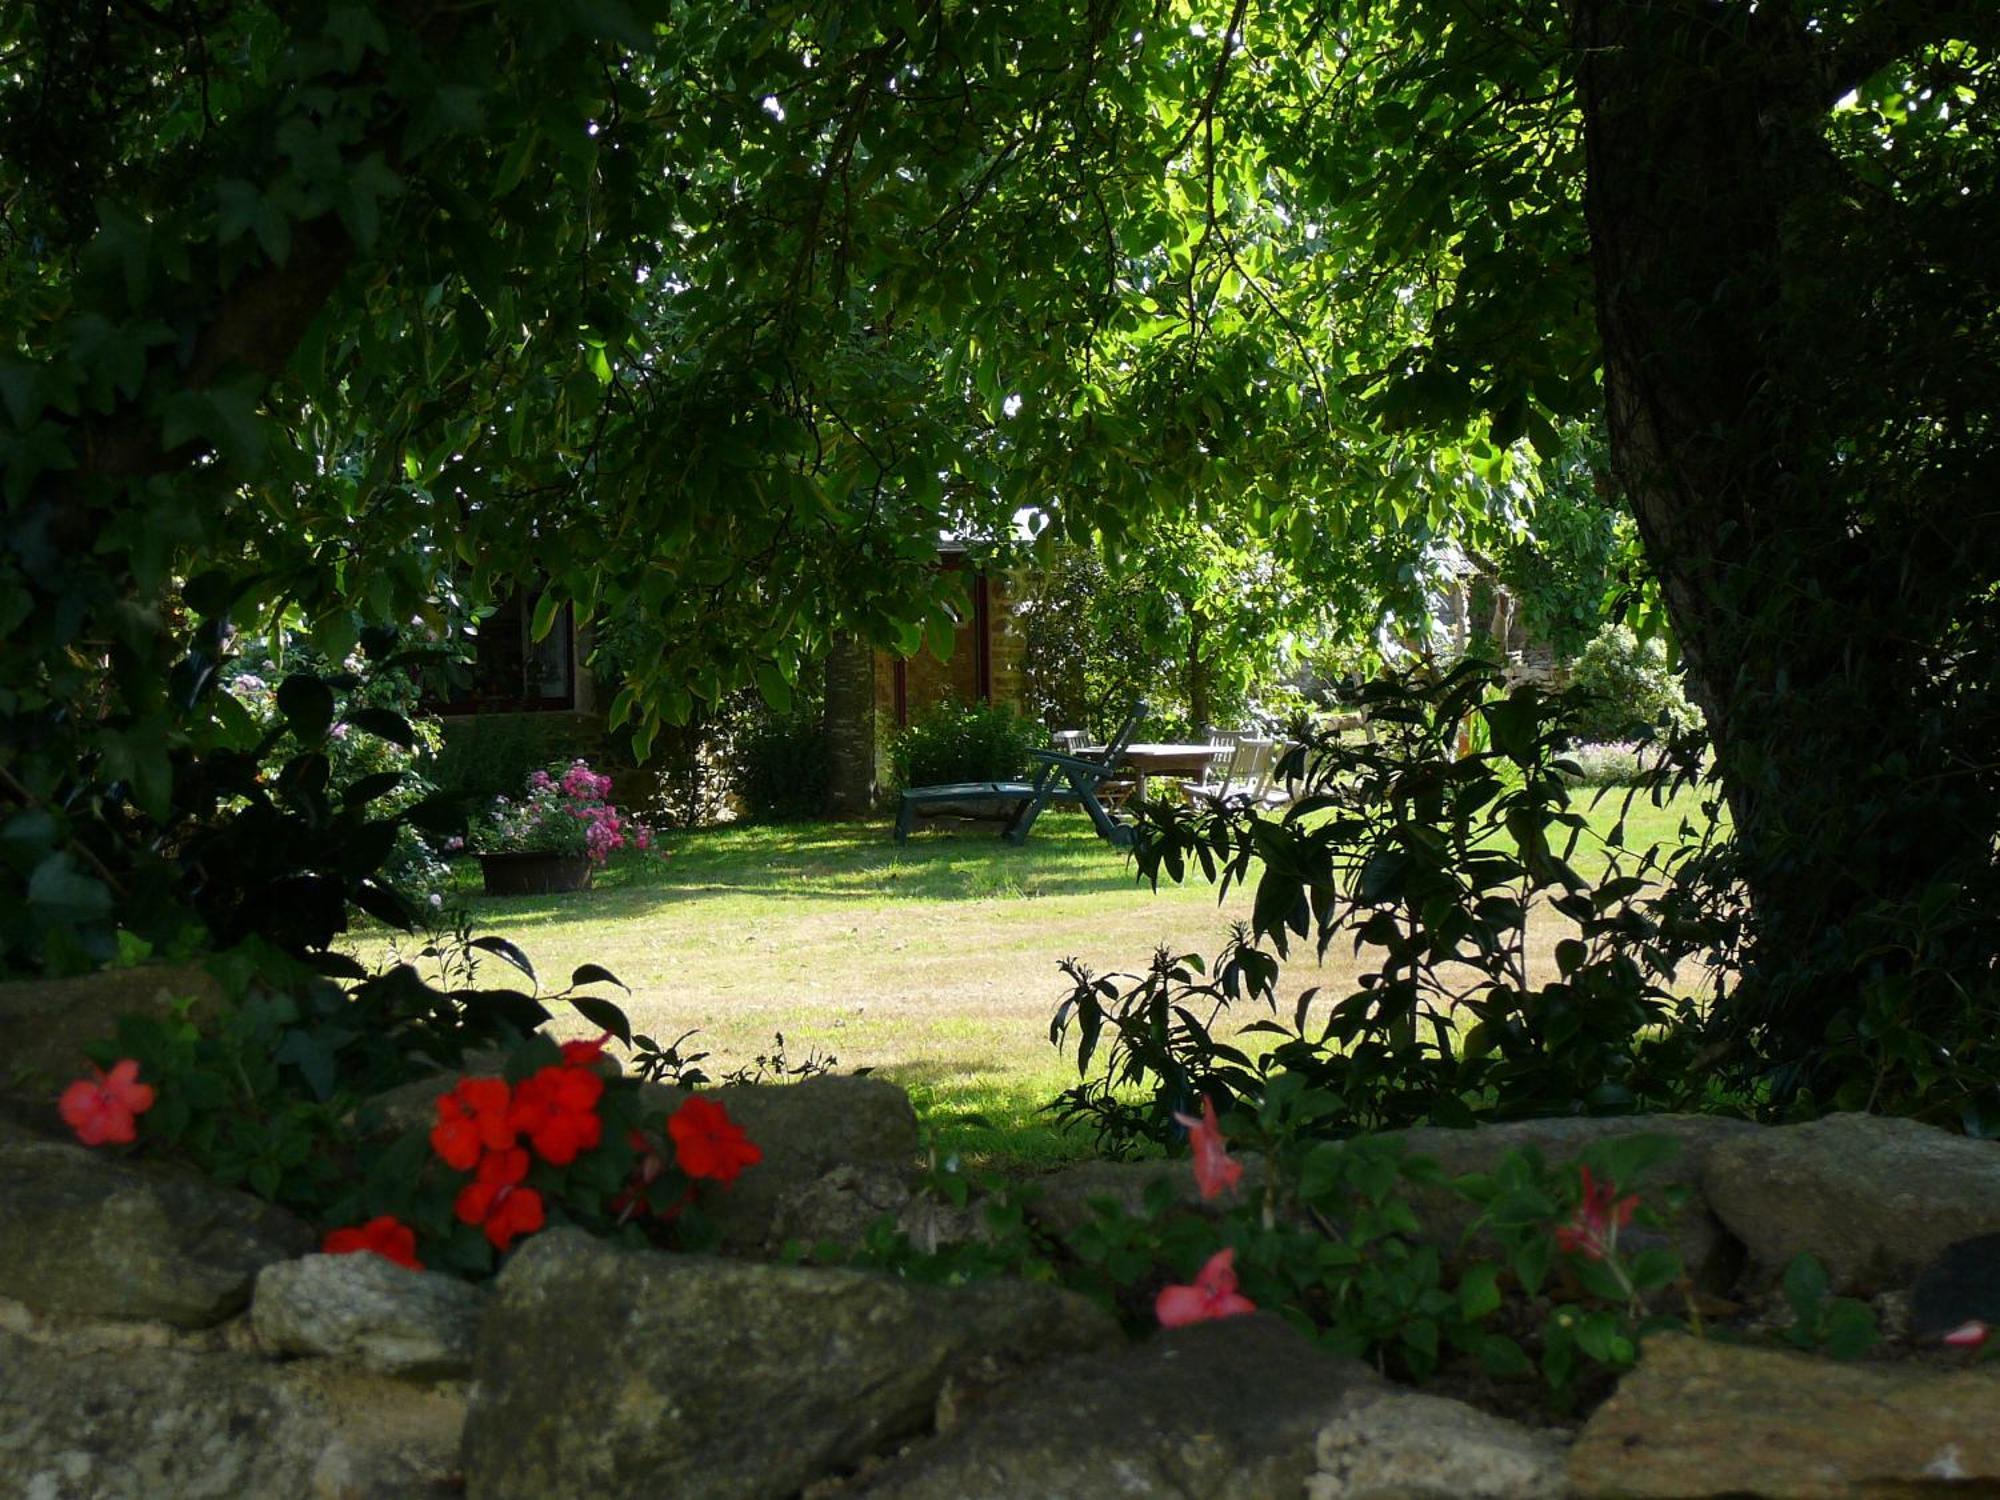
pixel 513 674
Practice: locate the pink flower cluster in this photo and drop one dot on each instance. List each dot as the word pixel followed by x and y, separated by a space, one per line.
pixel 548 818
pixel 583 784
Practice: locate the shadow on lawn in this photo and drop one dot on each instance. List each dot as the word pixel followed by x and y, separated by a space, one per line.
pixel 845 862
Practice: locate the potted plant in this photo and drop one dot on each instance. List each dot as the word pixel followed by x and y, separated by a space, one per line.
pixel 555 835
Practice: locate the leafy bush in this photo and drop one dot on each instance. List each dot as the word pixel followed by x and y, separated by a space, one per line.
pixel 275 1096
pixel 414 866
pixel 780 769
pixel 962 742
pixel 1626 689
pixel 1330 1239
pixel 483 756
pixel 1428 864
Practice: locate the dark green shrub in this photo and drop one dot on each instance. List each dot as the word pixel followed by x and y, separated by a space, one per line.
pixel 962 742
pixel 780 765
pixel 1626 689
pixel 491 755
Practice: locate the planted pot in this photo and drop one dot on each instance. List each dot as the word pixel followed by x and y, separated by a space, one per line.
pixel 534 873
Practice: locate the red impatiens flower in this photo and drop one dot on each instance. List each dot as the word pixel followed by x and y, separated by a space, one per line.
pixel 708 1143
pixel 386 1236
pixel 1215 1173
pixel 472 1118
pixel 1601 1213
pixel 1213 1295
pixel 496 1201
pixel 585 1054
pixel 103 1108
pixel 557 1111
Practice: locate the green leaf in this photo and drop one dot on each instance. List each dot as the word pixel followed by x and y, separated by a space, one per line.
pixel 1849 1331
pixel 384 724
pixel 507 952
pixel 307 704
pixel 63 892
pixel 604 1015
pixel 545 615
pixel 1479 1291
pixel 1806 1286
pixel 596 974
pixel 1502 1358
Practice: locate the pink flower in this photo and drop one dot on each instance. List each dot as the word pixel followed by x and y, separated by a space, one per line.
pixel 1213 1295
pixel 538 781
pixel 1214 1172
pixel 1968 1335
pixel 103 1109
pixel 1593 1233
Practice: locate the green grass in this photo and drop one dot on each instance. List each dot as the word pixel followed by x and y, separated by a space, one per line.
pixel 933 963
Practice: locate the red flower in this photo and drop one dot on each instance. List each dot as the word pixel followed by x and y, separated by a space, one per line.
pixel 556 1110
pixel 584 1054
pixel 1214 1172
pixel 472 1118
pixel 1593 1233
pixel 1213 1295
pixel 708 1143
pixel 103 1109
pixel 1968 1335
pixel 495 1199
pixel 386 1236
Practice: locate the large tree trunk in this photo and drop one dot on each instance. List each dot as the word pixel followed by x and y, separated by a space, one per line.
pixel 1707 201
pixel 850 728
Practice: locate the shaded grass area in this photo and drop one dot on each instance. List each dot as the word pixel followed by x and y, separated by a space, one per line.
pixel 932 963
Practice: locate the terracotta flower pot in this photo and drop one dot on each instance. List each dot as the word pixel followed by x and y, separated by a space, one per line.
pixel 534 873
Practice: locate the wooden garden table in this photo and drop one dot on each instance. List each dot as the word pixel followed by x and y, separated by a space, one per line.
pixel 1162 759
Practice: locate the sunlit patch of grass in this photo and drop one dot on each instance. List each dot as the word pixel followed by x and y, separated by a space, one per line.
pixel 932 963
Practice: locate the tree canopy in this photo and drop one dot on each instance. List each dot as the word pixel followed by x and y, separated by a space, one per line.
pixel 717 316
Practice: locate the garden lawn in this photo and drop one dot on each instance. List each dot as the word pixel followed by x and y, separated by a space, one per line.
pixel 932 963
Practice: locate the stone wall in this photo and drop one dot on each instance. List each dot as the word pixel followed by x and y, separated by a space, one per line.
pixel 162 1338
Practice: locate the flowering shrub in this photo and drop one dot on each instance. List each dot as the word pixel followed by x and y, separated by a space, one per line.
pixel 266 1099
pixel 1539 1285
pixel 557 1139
pixel 565 811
